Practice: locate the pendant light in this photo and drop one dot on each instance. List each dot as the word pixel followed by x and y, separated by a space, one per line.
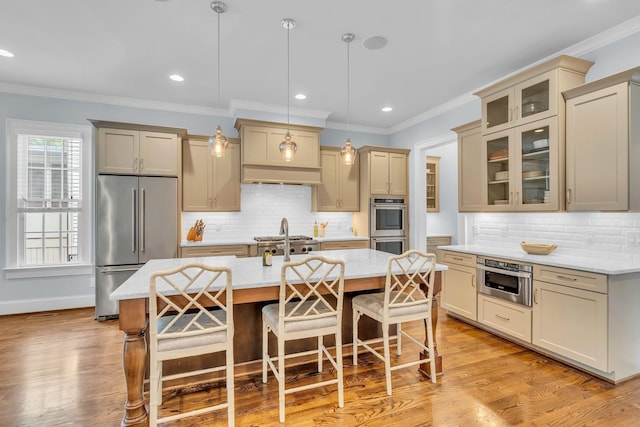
pixel 288 147
pixel 218 142
pixel 347 152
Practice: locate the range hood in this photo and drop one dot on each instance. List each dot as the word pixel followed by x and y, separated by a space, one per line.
pixel 277 174
pixel 261 158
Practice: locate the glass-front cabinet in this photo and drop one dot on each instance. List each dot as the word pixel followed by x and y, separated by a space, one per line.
pixel 522 168
pixel 526 102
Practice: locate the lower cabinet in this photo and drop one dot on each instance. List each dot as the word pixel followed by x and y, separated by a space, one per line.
pixel 218 250
pixel 343 244
pixel 570 320
pixel 459 293
pixel 506 317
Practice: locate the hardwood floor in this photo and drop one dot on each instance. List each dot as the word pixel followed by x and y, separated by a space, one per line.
pixel 64 369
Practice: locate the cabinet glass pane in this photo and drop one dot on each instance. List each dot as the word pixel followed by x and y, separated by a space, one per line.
pixel 498 112
pixel 498 171
pixel 431 186
pixel 535 166
pixel 535 99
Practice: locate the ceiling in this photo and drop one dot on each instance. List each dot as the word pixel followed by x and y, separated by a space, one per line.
pixel 437 50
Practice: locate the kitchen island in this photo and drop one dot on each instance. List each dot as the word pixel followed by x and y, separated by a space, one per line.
pixel 254 286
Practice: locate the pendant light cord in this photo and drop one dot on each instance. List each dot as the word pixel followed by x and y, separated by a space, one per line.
pixel 218 64
pixel 288 73
pixel 348 87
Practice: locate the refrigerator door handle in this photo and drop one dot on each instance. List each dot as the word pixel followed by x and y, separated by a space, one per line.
pixel 119 270
pixel 142 219
pixel 133 220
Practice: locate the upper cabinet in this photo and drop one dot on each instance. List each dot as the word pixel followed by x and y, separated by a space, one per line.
pixel 261 157
pixel 339 190
pixel 433 184
pixel 603 144
pixel 532 95
pixel 522 168
pixel 138 152
pixel 385 170
pixel 470 182
pixel 210 183
pixel 523 137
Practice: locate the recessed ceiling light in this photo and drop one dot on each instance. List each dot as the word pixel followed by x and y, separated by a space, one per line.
pixel 374 42
pixel 6 53
pixel 387 109
pixel 301 96
pixel 176 77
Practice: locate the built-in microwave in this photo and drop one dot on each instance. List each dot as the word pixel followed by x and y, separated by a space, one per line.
pixel 394 245
pixel 388 217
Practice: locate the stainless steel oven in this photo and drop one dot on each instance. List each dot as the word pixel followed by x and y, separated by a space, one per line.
pixel 394 245
pixel 510 281
pixel 388 217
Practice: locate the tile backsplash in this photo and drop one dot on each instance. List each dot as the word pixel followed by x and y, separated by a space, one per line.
pixel 591 234
pixel 263 206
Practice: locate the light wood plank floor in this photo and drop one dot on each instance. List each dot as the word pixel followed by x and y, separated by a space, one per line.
pixel 64 369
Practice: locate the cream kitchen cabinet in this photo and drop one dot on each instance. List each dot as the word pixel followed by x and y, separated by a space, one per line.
pixel 570 314
pixel 470 177
pixel 261 157
pixel 433 184
pixel 210 183
pixel 217 250
pixel 343 244
pixel 522 168
pixel 506 317
pixel 603 144
pixel 434 241
pixel 459 292
pixel 127 151
pixel 388 173
pixel 531 95
pixel 339 189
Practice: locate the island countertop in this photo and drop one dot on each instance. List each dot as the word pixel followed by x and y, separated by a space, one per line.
pixel 249 273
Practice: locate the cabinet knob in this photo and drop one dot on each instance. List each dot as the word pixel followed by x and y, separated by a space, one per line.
pixel 568 196
pixel 135 164
pixel 141 164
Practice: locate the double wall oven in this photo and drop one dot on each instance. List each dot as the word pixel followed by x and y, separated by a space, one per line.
pixel 388 225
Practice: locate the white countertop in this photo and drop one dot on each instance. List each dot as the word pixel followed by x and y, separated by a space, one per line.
pixel 249 273
pixel 594 265
pixel 250 241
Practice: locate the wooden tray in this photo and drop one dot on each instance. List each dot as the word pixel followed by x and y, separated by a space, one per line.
pixel 537 248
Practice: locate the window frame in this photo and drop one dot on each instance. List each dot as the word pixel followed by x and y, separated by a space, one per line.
pixel 14 225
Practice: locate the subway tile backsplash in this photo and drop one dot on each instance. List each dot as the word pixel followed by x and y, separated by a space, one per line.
pixel 263 206
pixel 591 234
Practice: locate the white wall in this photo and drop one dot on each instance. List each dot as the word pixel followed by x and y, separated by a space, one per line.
pixel 263 206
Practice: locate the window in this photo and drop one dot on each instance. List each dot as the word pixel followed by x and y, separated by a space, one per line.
pixel 48 197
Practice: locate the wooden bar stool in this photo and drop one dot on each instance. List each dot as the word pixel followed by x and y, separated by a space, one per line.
pixel 310 305
pixel 403 300
pixel 190 314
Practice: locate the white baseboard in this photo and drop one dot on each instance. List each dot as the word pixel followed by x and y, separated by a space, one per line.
pixel 46 304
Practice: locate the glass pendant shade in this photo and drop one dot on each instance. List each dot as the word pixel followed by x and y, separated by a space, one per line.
pixel 218 143
pixel 348 153
pixel 288 148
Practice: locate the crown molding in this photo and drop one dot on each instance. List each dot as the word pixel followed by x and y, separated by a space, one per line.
pixel 70 95
pixel 356 128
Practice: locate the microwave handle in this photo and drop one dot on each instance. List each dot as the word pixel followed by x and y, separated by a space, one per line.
pixel 505 272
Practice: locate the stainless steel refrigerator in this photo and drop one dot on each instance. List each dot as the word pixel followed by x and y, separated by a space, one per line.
pixel 136 220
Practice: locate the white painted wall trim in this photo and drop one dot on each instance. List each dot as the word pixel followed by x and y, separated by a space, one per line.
pixel 417 215
pixel 47 304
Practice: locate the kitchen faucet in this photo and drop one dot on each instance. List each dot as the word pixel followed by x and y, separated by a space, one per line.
pixel 284 229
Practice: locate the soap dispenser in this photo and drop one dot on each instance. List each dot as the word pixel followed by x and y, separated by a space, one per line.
pixel 315 229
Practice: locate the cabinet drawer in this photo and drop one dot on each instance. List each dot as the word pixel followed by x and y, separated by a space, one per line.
pixel 345 244
pixel 576 279
pixel 511 319
pixel 438 241
pixel 458 258
pixel 237 250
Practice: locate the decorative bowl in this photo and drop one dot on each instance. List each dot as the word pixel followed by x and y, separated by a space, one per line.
pixel 537 248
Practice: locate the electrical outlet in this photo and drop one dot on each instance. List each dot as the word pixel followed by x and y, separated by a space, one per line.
pixel 632 238
pixel 588 236
pixel 504 230
pixel 92 282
